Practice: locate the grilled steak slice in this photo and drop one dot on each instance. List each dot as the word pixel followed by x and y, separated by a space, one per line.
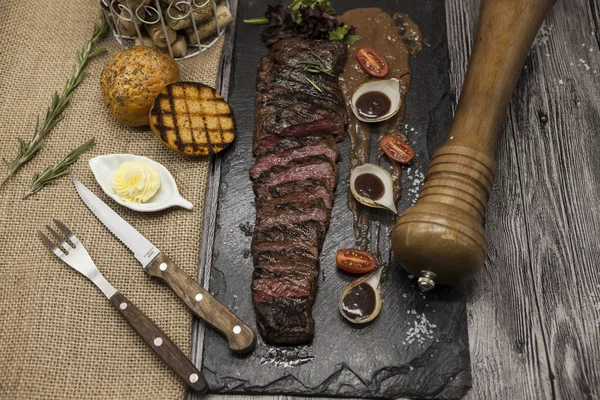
pixel 294 178
pixel 285 319
pixel 320 148
pixel 304 168
pixel 303 190
pixel 284 300
pixel 284 261
pixel 280 245
pixel 277 144
pixel 292 284
pixel 291 51
pixel 299 233
pixel 271 213
pixel 309 248
pixel 287 104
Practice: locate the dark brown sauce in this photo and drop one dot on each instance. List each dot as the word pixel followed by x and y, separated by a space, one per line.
pixel 369 186
pixel 373 104
pixel 359 301
pixel 395 38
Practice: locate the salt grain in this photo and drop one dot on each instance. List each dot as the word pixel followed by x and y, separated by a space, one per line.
pixel 543 35
pixel 421 330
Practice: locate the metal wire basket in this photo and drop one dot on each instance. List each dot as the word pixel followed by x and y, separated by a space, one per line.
pixel 182 28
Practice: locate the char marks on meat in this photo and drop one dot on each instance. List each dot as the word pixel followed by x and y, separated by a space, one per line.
pixel 287 105
pixel 294 179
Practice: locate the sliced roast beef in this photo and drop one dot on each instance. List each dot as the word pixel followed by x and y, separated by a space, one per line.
pixel 320 148
pixel 277 144
pixel 308 247
pixel 290 51
pixel 281 261
pixel 293 102
pixel 303 190
pixel 308 231
pixel 300 191
pixel 297 170
pixel 294 178
pixel 274 246
pixel 271 213
pixel 284 320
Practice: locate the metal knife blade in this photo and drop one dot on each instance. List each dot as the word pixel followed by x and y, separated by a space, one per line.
pixel 143 250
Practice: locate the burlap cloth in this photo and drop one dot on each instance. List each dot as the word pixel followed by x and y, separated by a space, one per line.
pixel 59 336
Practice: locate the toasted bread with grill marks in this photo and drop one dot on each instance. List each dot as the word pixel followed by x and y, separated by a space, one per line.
pixel 192 119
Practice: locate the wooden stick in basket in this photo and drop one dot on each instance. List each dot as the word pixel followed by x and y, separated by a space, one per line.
pixel 209 28
pixel 441 239
pixel 157 33
pixel 176 20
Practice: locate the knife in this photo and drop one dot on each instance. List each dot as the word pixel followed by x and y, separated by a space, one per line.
pixel 240 337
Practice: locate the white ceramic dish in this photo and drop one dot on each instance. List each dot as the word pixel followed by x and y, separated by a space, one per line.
pixel 389 87
pixel 167 196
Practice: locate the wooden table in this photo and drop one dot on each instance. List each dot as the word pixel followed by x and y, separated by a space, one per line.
pixel 534 311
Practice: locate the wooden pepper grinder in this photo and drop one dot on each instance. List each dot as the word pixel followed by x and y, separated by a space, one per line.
pixel 441 239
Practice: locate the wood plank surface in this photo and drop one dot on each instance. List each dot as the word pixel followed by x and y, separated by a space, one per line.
pixel 534 311
pixel 533 324
pixel 505 333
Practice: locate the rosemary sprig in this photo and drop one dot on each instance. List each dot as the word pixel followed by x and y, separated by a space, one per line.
pixel 315 67
pixel 315 55
pixel 318 70
pixel 50 174
pixel 314 84
pixel 311 63
pixel 27 150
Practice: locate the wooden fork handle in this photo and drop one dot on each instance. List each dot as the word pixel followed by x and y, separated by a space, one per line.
pixel 240 337
pixel 160 343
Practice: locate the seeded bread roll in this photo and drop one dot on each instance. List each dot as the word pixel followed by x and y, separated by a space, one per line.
pixel 131 80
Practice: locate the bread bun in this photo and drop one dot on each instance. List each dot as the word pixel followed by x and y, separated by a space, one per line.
pixel 192 119
pixel 131 80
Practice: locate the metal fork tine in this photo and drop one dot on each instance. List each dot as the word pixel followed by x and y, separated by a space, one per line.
pixel 51 245
pixel 60 239
pixel 66 231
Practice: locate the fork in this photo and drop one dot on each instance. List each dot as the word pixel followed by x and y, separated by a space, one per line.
pixel 77 257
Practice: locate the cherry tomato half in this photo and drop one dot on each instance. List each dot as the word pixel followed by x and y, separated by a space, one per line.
pixel 397 149
pixel 355 261
pixel 371 62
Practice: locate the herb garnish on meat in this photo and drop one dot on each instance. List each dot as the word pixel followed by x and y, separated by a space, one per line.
pixel 311 19
pixel 315 67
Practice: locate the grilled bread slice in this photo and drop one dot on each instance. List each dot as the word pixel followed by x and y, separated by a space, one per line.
pixel 192 119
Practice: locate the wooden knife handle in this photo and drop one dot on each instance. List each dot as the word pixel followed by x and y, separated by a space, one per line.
pixel 160 343
pixel 441 238
pixel 240 336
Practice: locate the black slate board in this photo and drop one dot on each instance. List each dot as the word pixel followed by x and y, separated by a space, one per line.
pixel 378 360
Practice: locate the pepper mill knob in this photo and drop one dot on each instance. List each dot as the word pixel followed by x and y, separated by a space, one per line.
pixel 426 281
